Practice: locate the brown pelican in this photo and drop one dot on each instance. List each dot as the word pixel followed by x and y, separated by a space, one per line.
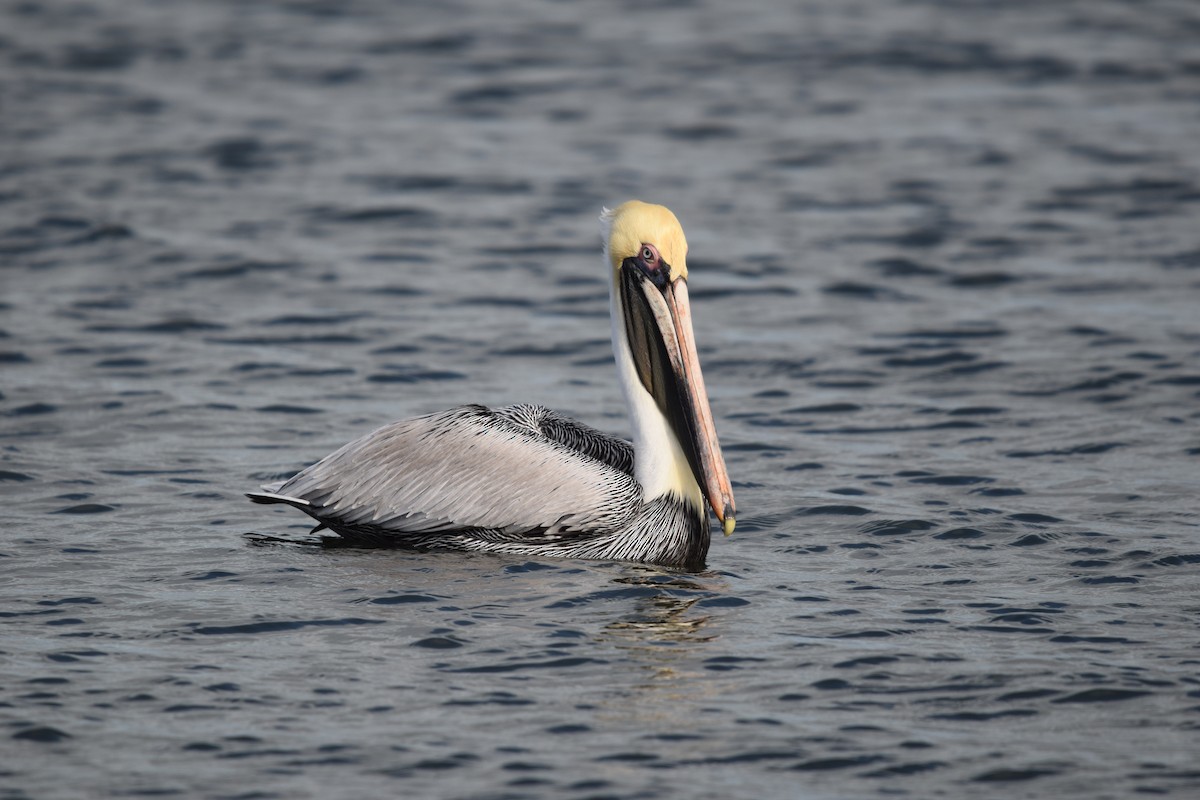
pixel 526 480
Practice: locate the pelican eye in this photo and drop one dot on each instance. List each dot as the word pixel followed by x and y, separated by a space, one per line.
pixel 648 262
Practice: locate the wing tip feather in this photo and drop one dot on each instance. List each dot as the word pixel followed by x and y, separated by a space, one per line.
pixel 267 498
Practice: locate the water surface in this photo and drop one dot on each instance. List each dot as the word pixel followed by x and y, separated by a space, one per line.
pixel 945 273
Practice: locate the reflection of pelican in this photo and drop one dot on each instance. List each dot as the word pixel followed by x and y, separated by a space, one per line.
pixel 663 640
pixel 661 619
pixel 526 480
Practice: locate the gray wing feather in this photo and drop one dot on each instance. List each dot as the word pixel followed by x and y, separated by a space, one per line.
pixel 468 467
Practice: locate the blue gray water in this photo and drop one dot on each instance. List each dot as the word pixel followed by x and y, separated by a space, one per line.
pixel 945 274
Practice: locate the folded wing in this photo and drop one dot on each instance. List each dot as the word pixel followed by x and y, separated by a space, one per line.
pixel 468 468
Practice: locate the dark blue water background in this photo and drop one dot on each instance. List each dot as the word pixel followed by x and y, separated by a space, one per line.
pixel 946 280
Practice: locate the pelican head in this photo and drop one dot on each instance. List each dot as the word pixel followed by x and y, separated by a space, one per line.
pixel 676 447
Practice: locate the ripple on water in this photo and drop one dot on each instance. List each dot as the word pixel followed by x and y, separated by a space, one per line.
pixel 836 510
pixel 408 216
pixel 413 373
pixel 32 410
pixel 425 183
pixel 277 626
pixel 960 533
pixel 403 599
pixel 86 508
pixel 283 408
pixel 41 734
pixel 239 268
pixel 897 527
pixel 438 643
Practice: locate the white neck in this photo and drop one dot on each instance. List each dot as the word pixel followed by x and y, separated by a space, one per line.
pixel 659 463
